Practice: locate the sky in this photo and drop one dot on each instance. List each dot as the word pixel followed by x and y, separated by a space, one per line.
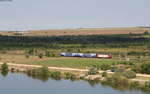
pixel 68 14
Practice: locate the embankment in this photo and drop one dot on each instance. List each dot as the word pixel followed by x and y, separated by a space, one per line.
pixel 24 67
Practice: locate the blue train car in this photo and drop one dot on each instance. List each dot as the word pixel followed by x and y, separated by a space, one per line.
pixel 90 55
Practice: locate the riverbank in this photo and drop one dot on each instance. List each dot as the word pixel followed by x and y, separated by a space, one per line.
pixel 114 80
pixel 24 67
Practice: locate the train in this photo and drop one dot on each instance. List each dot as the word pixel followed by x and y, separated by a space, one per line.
pixel 86 55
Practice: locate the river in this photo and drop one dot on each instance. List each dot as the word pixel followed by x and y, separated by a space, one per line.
pixel 18 83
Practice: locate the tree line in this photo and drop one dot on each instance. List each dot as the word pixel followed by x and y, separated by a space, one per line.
pixel 92 41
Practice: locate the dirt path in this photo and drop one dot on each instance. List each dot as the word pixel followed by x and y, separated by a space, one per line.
pixel 51 68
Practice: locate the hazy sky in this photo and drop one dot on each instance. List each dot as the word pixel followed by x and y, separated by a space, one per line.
pixel 57 14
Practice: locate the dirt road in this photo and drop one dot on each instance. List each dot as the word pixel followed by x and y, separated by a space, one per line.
pixel 51 68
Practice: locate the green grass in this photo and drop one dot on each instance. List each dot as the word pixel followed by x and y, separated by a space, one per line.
pixel 73 63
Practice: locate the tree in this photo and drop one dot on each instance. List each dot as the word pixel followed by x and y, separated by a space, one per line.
pixel 4 69
pixel 40 56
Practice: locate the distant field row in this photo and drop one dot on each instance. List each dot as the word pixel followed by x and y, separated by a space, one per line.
pixel 81 31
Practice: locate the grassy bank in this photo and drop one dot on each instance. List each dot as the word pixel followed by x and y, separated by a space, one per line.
pixel 56 61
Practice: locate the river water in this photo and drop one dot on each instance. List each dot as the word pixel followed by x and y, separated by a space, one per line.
pixel 17 83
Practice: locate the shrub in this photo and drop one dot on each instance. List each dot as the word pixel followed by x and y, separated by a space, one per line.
pixel 92 71
pixel 129 74
pixel 105 67
pixel 104 74
pixel 40 56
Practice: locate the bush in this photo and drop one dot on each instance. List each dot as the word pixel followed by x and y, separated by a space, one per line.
pixel 129 74
pixel 92 71
pixel 104 74
pixel 105 67
pixel 145 68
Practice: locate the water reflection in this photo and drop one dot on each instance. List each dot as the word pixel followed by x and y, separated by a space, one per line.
pixel 76 84
pixel 93 83
pixel 45 78
pixel 4 73
pixel 39 77
pixel 90 82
